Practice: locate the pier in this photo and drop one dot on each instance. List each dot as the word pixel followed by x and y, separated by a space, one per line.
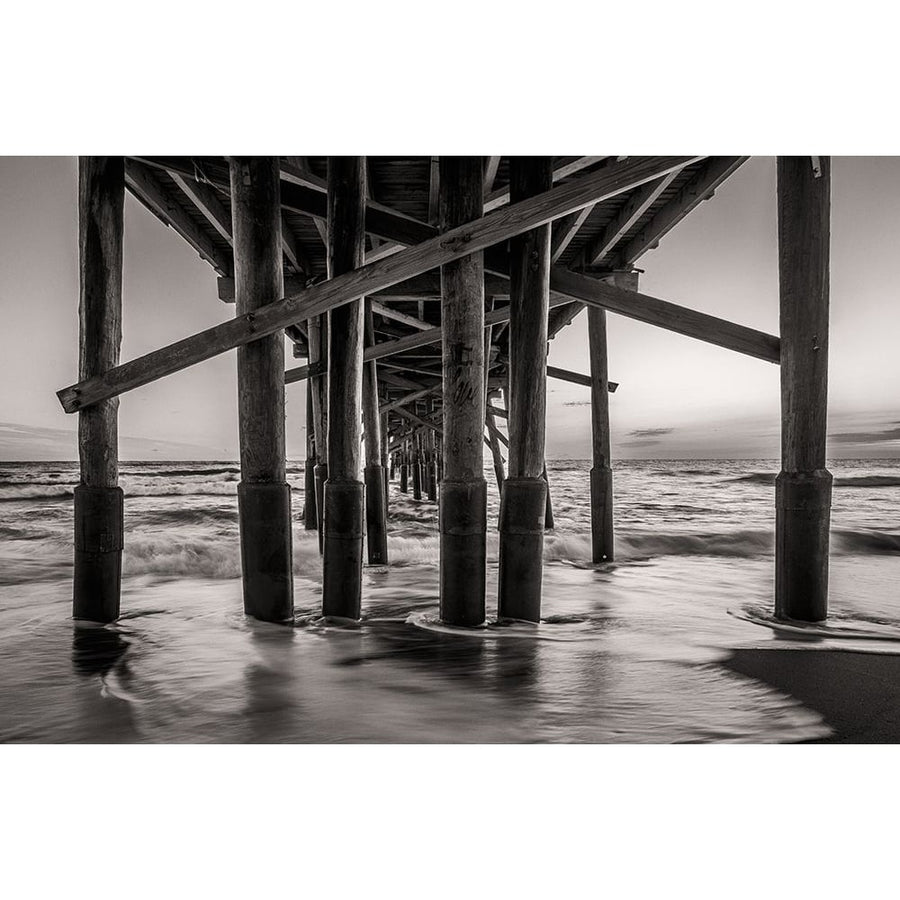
pixel 422 293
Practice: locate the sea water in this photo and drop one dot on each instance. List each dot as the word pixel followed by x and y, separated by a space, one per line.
pixel 627 651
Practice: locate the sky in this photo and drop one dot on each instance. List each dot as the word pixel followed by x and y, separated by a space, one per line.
pixel 678 397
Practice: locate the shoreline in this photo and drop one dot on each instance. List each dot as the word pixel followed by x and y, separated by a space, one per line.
pixel 857 694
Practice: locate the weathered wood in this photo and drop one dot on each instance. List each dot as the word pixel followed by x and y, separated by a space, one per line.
pixel 99 526
pixel 501 196
pixel 524 500
pixel 463 506
pixel 461 241
pixel 602 534
pixel 701 187
pixel 564 231
pixel 491 165
pixel 144 184
pixel 803 488
pixel 310 510
pixel 344 492
pixel 374 474
pixel 264 497
pixel 388 313
pixel 666 315
pixel 631 213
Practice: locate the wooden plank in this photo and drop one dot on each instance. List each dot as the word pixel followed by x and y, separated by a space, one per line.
pixel 144 184
pixel 388 313
pixel 631 213
pixel 305 194
pixel 491 164
pixel 701 187
pixel 663 314
pixel 492 229
pixel 208 200
pixel 564 231
pixel 500 197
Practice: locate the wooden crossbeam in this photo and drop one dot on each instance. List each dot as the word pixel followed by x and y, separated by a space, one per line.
pixel 670 316
pixel 701 187
pixel 305 194
pixel 388 313
pixel 456 243
pixel 144 184
pixel 492 163
pixel 631 213
pixel 409 398
pixel 500 197
pixel 564 231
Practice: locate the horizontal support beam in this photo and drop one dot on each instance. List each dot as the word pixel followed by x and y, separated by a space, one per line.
pixel 456 243
pixel 576 378
pixel 680 319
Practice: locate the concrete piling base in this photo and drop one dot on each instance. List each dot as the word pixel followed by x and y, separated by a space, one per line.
pixel 99 531
pixel 522 509
pixel 463 529
pixel 311 509
pixel 264 512
pixel 602 537
pixel 343 549
pixel 321 476
pixel 802 529
pixel 376 515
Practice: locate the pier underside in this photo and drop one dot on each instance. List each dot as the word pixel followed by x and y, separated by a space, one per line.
pixel 419 294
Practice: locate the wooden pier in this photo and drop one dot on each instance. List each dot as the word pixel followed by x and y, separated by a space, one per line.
pixel 420 291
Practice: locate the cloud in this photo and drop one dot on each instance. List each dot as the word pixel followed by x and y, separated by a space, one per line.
pixel 867 437
pixel 650 432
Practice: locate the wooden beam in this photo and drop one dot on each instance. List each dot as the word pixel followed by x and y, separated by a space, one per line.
pixel 388 313
pixel 208 200
pixel 666 315
pixel 492 163
pixel 701 187
pixel 374 476
pixel 564 231
pixel 143 183
pixel 305 194
pixel 460 241
pixel 500 197
pixel 631 213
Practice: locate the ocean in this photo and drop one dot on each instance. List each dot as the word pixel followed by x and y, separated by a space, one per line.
pixel 627 652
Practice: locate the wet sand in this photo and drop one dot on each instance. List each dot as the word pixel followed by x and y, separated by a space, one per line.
pixel 858 694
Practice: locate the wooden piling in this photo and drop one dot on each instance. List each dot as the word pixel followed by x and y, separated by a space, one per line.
pixel 803 488
pixel 264 497
pixel 310 510
pixel 549 523
pixel 524 502
pixel 317 329
pixel 417 465
pixel 431 463
pixel 463 491
pixel 602 528
pixel 404 468
pixel 99 502
pixel 374 473
pixel 344 492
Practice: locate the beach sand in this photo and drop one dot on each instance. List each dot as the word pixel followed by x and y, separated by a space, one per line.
pixel 858 694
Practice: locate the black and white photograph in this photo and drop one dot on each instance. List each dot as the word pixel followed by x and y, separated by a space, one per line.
pixel 420 477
